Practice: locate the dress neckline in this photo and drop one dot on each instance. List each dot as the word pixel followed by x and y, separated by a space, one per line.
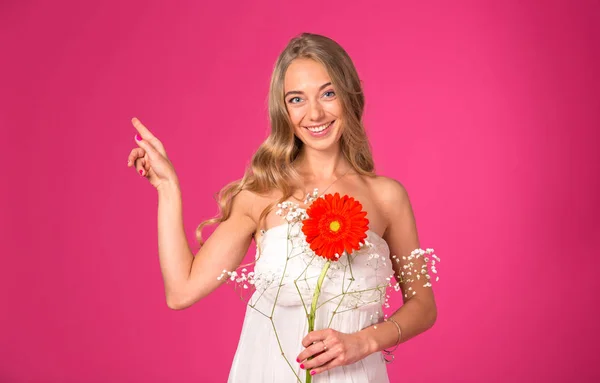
pixel 370 233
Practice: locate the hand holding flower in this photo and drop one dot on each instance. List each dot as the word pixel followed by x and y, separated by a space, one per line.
pixel 329 348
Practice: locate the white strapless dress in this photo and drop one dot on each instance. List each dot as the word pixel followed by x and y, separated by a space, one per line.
pixel 285 275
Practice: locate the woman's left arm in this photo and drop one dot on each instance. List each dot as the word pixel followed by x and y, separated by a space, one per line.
pixel 419 312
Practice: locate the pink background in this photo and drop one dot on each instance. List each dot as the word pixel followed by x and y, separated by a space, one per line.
pixel 488 112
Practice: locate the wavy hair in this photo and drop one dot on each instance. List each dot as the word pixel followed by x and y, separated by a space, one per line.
pixel 271 166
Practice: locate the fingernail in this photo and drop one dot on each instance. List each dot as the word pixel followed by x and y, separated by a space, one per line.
pixel 141 172
pixel 138 137
pixel 313 372
pixel 302 366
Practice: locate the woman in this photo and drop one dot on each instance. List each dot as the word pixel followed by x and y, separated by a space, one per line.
pixel 317 141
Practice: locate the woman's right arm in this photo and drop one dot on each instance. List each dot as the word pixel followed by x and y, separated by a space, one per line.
pixel 187 278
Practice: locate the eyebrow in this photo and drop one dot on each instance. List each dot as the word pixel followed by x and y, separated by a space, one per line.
pixel 298 92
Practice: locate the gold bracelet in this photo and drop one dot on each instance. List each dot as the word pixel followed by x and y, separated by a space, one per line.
pixel 390 352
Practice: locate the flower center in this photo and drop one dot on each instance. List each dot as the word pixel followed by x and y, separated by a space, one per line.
pixel 334 226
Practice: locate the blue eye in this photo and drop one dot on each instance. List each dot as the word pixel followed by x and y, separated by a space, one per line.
pixel 329 92
pixel 291 100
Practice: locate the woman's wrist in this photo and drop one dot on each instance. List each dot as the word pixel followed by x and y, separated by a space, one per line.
pixel 169 186
pixel 368 341
pixel 380 336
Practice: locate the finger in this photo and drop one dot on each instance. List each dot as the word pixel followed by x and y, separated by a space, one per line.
pixel 148 136
pixel 312 350
pixel 140 163
pixel 134 155
pixel 319 360
pixel 327 366
pixel 146 168
pixel 315 336
pixel 140 166
pixel 142 130
pixel 151 152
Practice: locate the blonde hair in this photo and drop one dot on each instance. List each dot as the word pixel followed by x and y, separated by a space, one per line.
pixel 270 168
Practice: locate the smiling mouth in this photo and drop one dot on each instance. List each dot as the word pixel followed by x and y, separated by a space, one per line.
pixel 319 128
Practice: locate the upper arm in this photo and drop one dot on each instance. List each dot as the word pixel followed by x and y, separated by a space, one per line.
pixel 224 249
pixel 402 238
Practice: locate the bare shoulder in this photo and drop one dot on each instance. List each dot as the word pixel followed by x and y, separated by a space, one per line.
pixel 391 198
pixel 242 203
pixel 252 203
pixel 390 192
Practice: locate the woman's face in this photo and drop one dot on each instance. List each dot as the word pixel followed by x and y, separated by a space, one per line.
pixel 312 104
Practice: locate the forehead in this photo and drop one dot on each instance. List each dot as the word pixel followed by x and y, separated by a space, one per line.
pixel 305 74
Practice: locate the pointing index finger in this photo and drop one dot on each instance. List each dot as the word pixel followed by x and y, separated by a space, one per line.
pixel 142 130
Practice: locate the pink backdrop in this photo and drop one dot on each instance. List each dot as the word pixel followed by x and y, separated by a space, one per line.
pixel 487 113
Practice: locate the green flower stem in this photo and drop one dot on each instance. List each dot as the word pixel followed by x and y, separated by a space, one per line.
pixel 313 307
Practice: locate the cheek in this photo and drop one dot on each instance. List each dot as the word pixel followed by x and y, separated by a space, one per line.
pixel 334 109
pixel 295 115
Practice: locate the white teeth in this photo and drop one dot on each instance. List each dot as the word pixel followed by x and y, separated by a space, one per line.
pixel 318 129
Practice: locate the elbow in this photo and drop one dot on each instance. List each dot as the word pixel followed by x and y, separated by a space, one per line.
pixel 177 301
pixel 428 312
pixel 181 302
pixel 432 315
pixel 175 304
pixel 183 296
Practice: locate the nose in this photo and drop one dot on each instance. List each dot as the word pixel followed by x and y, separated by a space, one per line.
pixel 316 111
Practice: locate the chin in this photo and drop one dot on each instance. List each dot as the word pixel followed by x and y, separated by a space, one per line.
pixel 321 144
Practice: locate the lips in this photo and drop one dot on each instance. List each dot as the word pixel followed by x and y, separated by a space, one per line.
pixel 319 130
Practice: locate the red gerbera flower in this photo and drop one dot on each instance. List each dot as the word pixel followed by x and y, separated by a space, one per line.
pixel 335 224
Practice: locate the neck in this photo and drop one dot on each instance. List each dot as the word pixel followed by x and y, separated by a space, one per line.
pixel 316 165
